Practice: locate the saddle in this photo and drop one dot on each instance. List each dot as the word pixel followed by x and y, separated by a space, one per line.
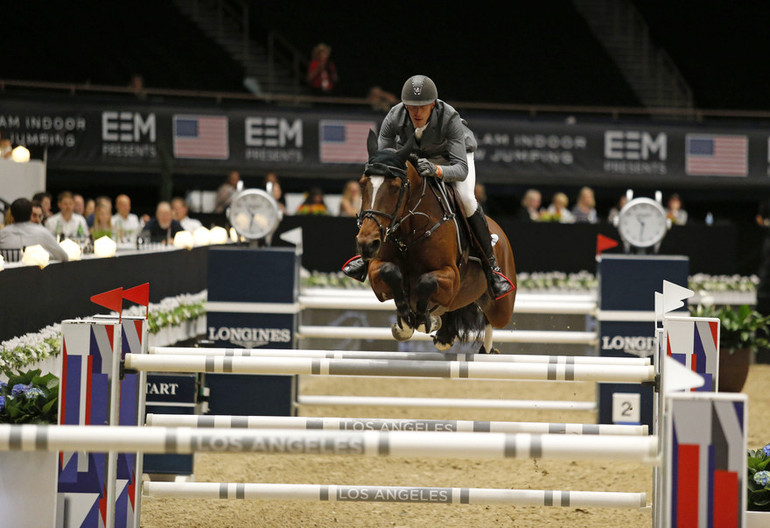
pixel 468 246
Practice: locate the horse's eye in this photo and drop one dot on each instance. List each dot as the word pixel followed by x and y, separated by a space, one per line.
pixel 394 182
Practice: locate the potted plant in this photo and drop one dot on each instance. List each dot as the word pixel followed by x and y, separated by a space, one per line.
pixel 29 398
pixel 758 482
pixel 743 332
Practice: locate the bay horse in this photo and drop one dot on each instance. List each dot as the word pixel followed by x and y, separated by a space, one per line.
pixel 412 233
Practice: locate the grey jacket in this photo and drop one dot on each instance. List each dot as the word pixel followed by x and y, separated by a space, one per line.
pixel 22 234
pixel 445 141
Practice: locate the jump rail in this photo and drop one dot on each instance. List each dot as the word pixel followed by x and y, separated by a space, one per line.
pixel 420 356
pixel 381 367
pixel 437 403
pixel 182 440
pixel 555 337
pixel 332 493
pixel 387 424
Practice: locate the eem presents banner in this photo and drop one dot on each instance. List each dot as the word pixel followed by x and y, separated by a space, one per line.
pixel 145 136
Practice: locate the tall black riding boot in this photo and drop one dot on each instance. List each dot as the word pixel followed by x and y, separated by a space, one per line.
pixel 356 268
pixel 499 285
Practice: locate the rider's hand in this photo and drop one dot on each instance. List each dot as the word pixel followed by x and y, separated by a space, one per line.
pixel 425 168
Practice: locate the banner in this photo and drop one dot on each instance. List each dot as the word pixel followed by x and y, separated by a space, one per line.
pixel 103 135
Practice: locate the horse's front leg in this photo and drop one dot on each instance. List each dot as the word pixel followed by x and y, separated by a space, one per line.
pixel 436 288
pixel 391 275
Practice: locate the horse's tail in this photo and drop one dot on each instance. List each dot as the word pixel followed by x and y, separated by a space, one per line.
pixel 467 322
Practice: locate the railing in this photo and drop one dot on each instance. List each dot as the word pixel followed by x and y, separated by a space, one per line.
pixel 11 86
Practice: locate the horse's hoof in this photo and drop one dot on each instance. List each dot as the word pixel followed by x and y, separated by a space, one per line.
pixel 435 325
pixel 441 345
pixel 400 333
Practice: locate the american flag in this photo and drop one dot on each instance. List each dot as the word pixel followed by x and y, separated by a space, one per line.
pixel 714 155
pixel 201 137
pixel 344 141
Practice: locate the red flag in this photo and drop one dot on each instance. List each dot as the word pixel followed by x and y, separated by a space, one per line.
pixel 603 242
pixel 112 299
pixel 138 294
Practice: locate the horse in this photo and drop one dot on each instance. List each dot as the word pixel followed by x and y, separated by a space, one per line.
pixel 411 232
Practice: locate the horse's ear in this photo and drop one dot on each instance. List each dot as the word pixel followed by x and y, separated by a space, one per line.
pixel 371 143
pixel 404 152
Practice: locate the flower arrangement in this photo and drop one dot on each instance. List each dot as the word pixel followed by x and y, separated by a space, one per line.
pixel 759 479
pixel 29 349
pixel 29 398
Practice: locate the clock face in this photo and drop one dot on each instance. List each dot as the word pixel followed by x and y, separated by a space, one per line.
pixel 642 222
pixel 254 214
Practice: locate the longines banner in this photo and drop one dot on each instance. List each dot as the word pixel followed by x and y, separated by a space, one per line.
pixel 145 137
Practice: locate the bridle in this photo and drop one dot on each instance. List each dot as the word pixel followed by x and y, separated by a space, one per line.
pixel 389 232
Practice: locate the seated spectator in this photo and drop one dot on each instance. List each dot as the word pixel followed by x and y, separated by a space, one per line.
pixel 314 203
pixel 381 100
pixel 125 223
pixel 531 210
pixel 6 148
pixel 674 212
pixel 163 227
pixel 350 204
pixel 89 208
pixel 22 232
pixel 271 181
pixel 102 221
pixel 99 199
pixel 37 212
pixel 615 211
pixel 226 191
pixel 80 205
pixel 558 211
pixel 66 223
pixel 179 210
pixel 45 202
pixel 585 208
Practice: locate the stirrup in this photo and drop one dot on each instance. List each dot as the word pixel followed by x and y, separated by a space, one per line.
pixel 499 284
pixel 356 268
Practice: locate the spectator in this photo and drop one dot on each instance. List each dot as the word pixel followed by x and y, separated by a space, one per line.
pixel 314 203
pixel 80 205
pixel 480 192
pixel 22 232
pixel 66 223
pixel 674 212
pixel 92 215
pixel 226 191
pixel 6 148
pixel 45 202
pixel 273 185
pixel 322 73
pixel 125 223
pixel 180 210
pixel 90 207
pixel 102 225
pixel 558 211
pixel 615 211
pixel 380 100
pixel 350 204
pixel 585 208
pixel 531 210
pixel 163 227
pixel 37 213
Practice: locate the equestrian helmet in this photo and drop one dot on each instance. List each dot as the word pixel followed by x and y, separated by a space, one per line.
pixel 419 90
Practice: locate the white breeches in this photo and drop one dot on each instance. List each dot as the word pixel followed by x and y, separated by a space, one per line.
pixel 466 189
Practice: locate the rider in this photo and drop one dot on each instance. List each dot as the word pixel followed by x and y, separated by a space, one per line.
pixel 446 147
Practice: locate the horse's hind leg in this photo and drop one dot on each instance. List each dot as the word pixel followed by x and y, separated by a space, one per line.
pixel 446 335
pixel 424 321
pixel 403 328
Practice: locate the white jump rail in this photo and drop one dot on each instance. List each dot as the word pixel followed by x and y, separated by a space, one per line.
pixel 388 424
pixel 431 495
pixel 555 337
pixel 443 403
pixel 184 440
pixel 376 354
pixel 340 299
pixel 383 367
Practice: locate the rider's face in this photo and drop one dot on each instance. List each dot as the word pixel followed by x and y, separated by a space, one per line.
pixel 420 114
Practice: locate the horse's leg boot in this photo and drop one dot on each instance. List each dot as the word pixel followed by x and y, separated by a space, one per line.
pixel 499 285
pixel 356 268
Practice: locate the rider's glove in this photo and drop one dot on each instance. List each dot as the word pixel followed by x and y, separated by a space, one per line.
pixel 425 168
